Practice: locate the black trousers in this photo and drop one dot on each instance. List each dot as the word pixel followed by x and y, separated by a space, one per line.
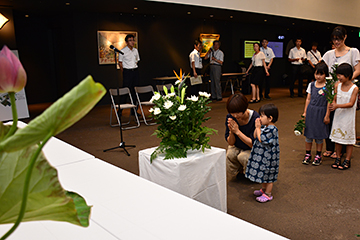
pixel 296 74
pixel 195 88
pixel 130 80
pixel 267 86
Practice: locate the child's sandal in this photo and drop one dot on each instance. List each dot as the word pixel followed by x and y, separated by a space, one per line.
pixel 264 198
pixel 345 165
pixel 337 163
pixel 258 193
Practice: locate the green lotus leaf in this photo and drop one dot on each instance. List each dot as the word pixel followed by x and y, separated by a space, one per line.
pixel 47 200
pixel 59 116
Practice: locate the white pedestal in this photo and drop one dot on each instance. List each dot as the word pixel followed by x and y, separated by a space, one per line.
pixel 200 176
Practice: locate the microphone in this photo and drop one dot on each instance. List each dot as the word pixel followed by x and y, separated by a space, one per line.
pixel 116 50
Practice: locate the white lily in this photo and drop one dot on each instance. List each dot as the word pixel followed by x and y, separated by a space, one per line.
pixel 297 133
pixel 168 104
pixel 157 111
pixel 172 117
pixel 182 107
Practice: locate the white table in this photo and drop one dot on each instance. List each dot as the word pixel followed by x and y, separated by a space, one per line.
pixel 200 176
pixel 128 207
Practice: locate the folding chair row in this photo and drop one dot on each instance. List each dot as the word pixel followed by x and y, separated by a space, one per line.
pixel 119 107
pixel 121 92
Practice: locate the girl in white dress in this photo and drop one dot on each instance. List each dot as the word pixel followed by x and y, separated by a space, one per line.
pixel 338 55
pixel 343 128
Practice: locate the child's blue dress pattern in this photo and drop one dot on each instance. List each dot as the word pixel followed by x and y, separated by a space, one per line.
pixel 263 164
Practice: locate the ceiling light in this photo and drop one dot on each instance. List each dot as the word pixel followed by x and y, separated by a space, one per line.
pixel 67 4
pixel 135 8
pixel 3 20
pixel 231 16
pixel 26 15
pixel 293 23
pixel 265 20
pixel 211 15
pixel 188 13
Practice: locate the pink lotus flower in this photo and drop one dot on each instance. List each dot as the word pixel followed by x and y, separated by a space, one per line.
pixel 12 73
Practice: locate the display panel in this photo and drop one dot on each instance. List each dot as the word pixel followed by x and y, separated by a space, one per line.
pixel 249 48
pixel 278 48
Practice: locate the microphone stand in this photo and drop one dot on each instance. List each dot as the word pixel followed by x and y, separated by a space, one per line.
pixel 122 143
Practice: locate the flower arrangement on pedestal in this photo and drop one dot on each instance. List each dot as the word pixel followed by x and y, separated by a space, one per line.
pixel 30 189
pixel 180 121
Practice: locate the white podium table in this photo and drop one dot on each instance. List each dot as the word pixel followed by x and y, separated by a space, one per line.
pixel 200 176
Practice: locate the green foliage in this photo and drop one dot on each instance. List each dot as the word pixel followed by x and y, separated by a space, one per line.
pixel 329 88
pixel 180 129
pixel 46 198
pixel 30 189
pixel 300 125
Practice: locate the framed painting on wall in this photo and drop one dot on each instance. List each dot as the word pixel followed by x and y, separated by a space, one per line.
pixel 207 42
pixel 115 38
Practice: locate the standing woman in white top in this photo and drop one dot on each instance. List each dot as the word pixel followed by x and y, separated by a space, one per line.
pixel 258 74
pixel 340 54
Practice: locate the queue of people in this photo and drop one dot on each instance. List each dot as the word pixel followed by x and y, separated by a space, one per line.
pixel 253 137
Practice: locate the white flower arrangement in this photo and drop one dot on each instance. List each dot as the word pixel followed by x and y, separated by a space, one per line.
pixel 187 132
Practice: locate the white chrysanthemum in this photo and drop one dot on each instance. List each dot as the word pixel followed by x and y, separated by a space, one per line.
pixel 170 95
pixel 157 111
pixel 320 92
pixel 204 94
pixel 182 107
pixel 168 104
pixel 172 117
pixel 297 133
pixel 193 98
pixel 151 110
pixel 156 96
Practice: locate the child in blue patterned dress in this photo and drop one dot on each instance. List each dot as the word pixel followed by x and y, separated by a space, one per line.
pixel 263 164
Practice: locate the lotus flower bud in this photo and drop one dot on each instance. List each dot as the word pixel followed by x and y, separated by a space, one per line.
pixel 12 73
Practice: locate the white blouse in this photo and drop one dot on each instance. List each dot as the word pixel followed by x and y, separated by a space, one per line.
pixel 257 59
pixel 352 57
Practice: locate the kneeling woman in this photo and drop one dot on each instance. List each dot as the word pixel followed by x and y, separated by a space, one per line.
pixel 240 126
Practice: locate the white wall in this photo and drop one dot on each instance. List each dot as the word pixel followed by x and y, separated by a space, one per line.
pixel 346 12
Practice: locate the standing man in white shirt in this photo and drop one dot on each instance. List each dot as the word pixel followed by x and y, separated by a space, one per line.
pixel 196 66
pixel 128 66
pixel 313 57
pixel 269 58
pixel 216 61
pixel 297 56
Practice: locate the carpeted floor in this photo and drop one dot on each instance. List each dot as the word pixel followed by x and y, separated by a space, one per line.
pixel 309 202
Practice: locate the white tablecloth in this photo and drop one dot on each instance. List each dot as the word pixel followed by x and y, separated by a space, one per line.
pixel 200 176
pixel 128 207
